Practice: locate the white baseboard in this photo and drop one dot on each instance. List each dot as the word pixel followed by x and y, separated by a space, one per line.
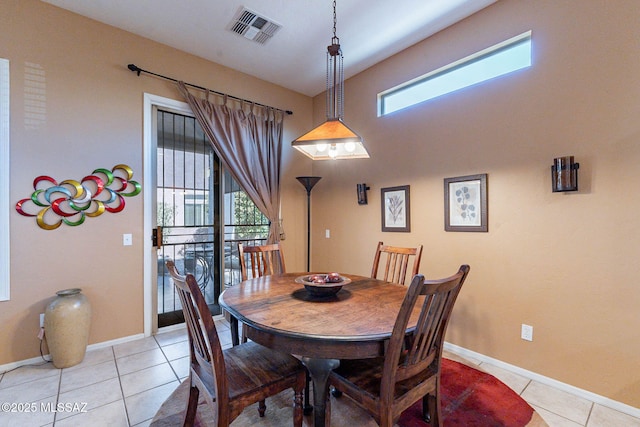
pixel 38 360
pixel 596 398
pixel 117 341
pixel 13 365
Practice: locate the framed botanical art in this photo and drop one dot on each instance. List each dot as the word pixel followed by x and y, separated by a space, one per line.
pixel 465 203
pixel 395 209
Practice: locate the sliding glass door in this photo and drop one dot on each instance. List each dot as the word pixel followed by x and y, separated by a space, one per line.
pixel 188 201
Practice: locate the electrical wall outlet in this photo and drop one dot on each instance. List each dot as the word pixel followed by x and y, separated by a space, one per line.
pixel 526 332
pixel 42 320
pixel 327 233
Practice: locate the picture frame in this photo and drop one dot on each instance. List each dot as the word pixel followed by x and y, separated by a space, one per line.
pixel 465 203
pixel 396 209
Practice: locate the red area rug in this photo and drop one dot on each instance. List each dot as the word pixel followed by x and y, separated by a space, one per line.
pixel 470 398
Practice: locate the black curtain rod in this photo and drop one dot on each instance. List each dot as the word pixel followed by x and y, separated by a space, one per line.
pixel 139 70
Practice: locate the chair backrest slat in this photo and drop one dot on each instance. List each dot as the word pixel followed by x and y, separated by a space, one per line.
pixel 206 351
pixel 260 260
pixel 396 264
pixel 425 343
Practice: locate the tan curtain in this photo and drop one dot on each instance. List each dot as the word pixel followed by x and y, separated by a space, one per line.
pixel 249 143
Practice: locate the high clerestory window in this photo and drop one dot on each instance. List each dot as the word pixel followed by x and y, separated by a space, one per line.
pixel 498 60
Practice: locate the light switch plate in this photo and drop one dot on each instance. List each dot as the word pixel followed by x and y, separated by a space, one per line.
pixel 127 240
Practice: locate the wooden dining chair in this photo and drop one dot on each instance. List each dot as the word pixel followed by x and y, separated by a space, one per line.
pixel 264 260
pixel 234 378
pixel 388 385
pixel 396 262
pixel 258 261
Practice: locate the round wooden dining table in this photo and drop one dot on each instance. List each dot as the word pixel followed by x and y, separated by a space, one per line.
pixel 280 313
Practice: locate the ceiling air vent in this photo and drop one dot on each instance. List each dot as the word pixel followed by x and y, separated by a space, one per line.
pixel 252 26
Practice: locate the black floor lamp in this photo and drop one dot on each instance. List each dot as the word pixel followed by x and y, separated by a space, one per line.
pixel 308 182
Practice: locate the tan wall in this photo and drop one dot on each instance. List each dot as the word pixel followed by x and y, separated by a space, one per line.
pixel 565 263
pixel 93 119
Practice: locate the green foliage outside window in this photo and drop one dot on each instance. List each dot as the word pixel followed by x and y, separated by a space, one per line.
pixel 165 214
pixel 249 221
pixel 164 217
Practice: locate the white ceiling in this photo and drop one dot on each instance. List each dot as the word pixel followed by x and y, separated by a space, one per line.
pixel 369 31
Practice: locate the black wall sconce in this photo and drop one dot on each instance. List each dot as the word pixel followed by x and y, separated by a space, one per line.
pixel 362 193
pixel 564 174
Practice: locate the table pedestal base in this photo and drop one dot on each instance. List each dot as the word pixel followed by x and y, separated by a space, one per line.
pixel 319 370
pixel 233 326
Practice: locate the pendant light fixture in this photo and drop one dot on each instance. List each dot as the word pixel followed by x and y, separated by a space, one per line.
pixel 333 139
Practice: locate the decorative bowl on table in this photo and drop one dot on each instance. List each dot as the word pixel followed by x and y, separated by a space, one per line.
pixel 323 285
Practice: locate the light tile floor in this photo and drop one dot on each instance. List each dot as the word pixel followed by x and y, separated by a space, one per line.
pixel 125 384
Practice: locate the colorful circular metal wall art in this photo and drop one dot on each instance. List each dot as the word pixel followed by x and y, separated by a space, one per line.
pixel 71 201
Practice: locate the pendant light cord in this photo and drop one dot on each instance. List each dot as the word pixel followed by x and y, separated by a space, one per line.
pixel 335 39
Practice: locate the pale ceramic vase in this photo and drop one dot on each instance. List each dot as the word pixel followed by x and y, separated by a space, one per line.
pixel 66 327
